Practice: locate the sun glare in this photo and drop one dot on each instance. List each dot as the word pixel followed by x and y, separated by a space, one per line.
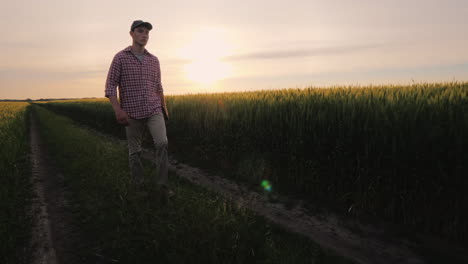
pixel 205 52
pixel 207 71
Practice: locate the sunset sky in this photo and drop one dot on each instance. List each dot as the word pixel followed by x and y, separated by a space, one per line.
pixel 63 48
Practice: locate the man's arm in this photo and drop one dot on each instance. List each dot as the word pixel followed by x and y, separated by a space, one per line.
pixel 113 80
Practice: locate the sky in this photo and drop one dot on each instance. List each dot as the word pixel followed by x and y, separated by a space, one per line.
pixel 63 48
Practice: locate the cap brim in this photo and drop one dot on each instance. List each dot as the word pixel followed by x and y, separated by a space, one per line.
pixel 147 25
pixel 144 24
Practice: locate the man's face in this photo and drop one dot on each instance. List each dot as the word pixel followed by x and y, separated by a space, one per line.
pixel 140 35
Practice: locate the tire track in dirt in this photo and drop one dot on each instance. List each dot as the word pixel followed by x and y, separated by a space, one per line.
pixel 54 236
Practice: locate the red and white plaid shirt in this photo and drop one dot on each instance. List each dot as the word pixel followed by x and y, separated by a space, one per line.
pixel 138 82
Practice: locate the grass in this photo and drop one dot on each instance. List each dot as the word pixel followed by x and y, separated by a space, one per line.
pixel 15 187
pixel 196 226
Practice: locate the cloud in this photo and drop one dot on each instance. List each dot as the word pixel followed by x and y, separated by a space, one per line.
pixel 293 53
pixel 433 73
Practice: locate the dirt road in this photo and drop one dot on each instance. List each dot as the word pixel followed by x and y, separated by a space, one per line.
pixel 54 237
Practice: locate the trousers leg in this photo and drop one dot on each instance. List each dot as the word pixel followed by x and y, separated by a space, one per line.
pixel 157 128
pixel 134 132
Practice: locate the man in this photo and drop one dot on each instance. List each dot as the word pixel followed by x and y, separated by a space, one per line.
pixel 137 74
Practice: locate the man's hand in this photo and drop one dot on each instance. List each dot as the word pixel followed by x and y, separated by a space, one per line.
pixel 122 117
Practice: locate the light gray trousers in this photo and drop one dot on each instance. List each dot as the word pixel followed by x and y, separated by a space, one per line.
pixel 134 131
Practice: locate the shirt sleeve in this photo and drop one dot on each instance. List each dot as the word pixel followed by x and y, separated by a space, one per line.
pixel 113 77
pixel 159 87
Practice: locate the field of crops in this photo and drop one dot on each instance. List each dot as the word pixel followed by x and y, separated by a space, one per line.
pixel 396 152
pixel 15 192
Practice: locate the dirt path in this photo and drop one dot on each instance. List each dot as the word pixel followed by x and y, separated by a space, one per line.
pixel 54 238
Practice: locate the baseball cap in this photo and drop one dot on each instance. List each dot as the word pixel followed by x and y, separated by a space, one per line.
pixel 139 23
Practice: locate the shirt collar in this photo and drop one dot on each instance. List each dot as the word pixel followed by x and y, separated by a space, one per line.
pixel 129 49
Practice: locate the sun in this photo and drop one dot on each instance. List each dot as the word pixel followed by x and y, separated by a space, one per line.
pixel 207 71
pixel 205 53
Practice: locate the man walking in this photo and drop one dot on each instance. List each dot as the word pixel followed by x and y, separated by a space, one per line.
pixel 137 74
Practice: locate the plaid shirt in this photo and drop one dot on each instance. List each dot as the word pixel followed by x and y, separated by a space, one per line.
pixel 138 82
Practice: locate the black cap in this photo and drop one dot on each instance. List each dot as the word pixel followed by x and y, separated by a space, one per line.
pixel 140 23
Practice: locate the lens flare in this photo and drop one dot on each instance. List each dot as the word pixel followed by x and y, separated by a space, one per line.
pixel 266 185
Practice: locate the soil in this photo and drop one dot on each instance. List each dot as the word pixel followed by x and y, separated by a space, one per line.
pixel 54 238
